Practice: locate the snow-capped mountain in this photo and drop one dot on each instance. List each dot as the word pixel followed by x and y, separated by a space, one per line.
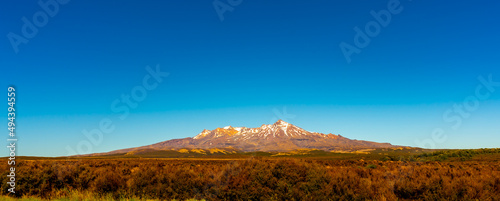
pixel 280 129
pixel 280 136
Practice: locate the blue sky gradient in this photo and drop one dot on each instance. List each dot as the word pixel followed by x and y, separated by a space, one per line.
pixel 262 59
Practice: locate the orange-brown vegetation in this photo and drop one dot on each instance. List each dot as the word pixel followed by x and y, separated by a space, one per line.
pixel 259 179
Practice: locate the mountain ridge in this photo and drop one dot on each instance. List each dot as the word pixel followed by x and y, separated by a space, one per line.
pixel 278 137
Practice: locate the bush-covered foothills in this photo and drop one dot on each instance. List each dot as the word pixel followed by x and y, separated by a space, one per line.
pixel 461 154
pixel 256 179
pixel 445 155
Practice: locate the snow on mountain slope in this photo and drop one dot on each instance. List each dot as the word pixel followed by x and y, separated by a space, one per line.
pixel 277 137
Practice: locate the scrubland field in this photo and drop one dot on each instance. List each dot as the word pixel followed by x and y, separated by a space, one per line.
pixel 440 175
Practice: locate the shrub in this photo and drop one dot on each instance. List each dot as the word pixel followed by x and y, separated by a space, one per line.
pixel 259 179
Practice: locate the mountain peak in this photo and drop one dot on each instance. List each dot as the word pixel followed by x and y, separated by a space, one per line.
pixel 280 136
pixel 281 122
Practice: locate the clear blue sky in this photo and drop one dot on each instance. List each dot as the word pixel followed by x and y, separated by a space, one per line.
pixel 246 69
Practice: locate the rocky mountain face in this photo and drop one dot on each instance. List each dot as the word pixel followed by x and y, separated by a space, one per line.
pixel 278 137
